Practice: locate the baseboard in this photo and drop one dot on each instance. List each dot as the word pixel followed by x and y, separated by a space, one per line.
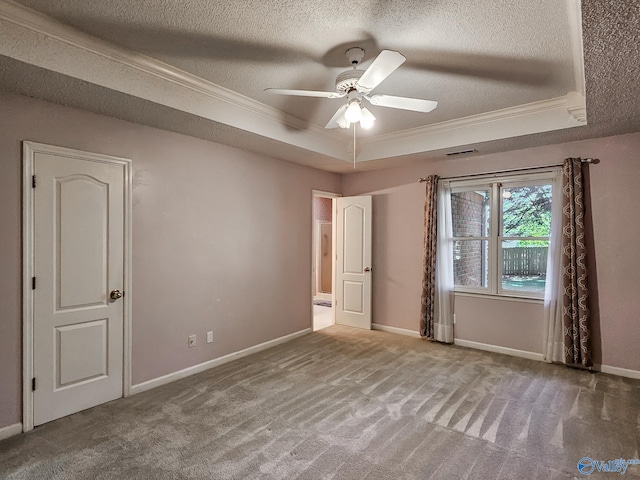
pixel 396 330
pixel 10 431
pixel 621 372
pixel 498 349
pixel 186 372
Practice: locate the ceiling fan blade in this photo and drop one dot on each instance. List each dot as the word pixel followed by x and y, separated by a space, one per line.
pixel 405 103
pixel 305 93
pixel 338 120
pixel 383 66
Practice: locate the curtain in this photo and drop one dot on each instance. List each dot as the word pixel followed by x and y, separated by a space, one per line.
pixel 553 347
pixel 575 295
pixel 443 317
pixel 427 309
pixel 436 319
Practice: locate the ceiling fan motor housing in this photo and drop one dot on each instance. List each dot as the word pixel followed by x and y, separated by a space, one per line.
pixel 346 81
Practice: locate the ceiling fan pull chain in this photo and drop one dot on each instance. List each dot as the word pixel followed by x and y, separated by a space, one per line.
pixel 354 146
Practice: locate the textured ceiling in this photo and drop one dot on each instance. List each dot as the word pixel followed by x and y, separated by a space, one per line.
pixel 611 42
pixel 471 57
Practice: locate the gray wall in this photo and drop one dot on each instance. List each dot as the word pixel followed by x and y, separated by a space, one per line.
pixel 221 240
pixel 398 209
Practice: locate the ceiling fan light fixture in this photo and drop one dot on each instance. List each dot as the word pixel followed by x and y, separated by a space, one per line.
pixel 353 113
pixel 367 119
pixel 343 122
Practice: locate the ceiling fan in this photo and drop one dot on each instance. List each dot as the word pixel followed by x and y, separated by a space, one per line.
pixel 357 85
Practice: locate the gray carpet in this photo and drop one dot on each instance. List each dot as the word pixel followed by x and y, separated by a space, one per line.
pixel 348 404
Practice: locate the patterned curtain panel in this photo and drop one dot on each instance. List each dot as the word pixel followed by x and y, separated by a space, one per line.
pixel 575 301
pixel 427 310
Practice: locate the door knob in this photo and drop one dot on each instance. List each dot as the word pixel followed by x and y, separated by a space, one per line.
pixel 367 269
pixel 116 294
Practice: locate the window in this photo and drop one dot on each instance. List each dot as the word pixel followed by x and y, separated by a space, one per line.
pixel 501 233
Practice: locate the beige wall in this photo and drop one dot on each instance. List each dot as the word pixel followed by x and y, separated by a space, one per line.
pixel 513 324
pixel 615 198
pixel 221 240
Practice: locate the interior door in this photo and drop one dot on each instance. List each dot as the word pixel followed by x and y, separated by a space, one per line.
pixel 353 261
pixel 79 275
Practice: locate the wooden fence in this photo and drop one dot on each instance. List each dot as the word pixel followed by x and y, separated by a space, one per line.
pixel 524 261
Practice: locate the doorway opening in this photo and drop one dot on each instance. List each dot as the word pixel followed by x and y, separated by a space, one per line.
pixel 323 248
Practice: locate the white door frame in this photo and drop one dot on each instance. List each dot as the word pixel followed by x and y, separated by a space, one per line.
pixel 323 194
pixel 29 150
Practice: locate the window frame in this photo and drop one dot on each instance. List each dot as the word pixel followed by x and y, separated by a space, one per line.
pixel 495 185
pixel 471 186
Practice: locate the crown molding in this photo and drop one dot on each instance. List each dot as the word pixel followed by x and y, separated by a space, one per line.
pixel 64 43
pixel 537 117
pixel 577 107
pixel 472 120
pixel 574 12
pixel 45 25
pixel 37 39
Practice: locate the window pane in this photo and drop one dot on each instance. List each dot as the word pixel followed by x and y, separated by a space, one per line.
pixel 524 265
pixel 470 263
pixel 526 211
pixel 470 213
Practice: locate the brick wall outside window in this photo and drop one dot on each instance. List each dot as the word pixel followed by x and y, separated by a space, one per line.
pixel 468 220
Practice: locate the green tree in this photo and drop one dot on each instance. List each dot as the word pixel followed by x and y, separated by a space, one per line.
pixel 527 213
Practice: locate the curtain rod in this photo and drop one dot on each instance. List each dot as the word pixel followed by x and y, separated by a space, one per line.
pixel 524 169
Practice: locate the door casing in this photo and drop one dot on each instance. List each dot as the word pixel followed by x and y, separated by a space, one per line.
pixel 333 196
pixel 29 150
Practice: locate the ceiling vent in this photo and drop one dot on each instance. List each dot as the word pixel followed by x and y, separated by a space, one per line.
pixel 461 152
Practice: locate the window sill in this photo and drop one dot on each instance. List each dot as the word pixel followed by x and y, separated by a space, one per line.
pixel 503 297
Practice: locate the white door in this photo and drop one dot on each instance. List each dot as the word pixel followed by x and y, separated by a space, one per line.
pixel 353 261
pixel 78 266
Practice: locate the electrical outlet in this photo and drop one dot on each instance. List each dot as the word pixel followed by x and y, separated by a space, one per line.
pixel 210 337
pixel 192 341
pixel 454 318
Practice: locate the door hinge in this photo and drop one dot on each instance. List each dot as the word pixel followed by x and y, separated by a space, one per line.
pixel 33 283
pixel 33 181
pixel 33 384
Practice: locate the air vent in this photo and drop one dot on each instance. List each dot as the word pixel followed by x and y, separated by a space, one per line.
pixel 461 152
